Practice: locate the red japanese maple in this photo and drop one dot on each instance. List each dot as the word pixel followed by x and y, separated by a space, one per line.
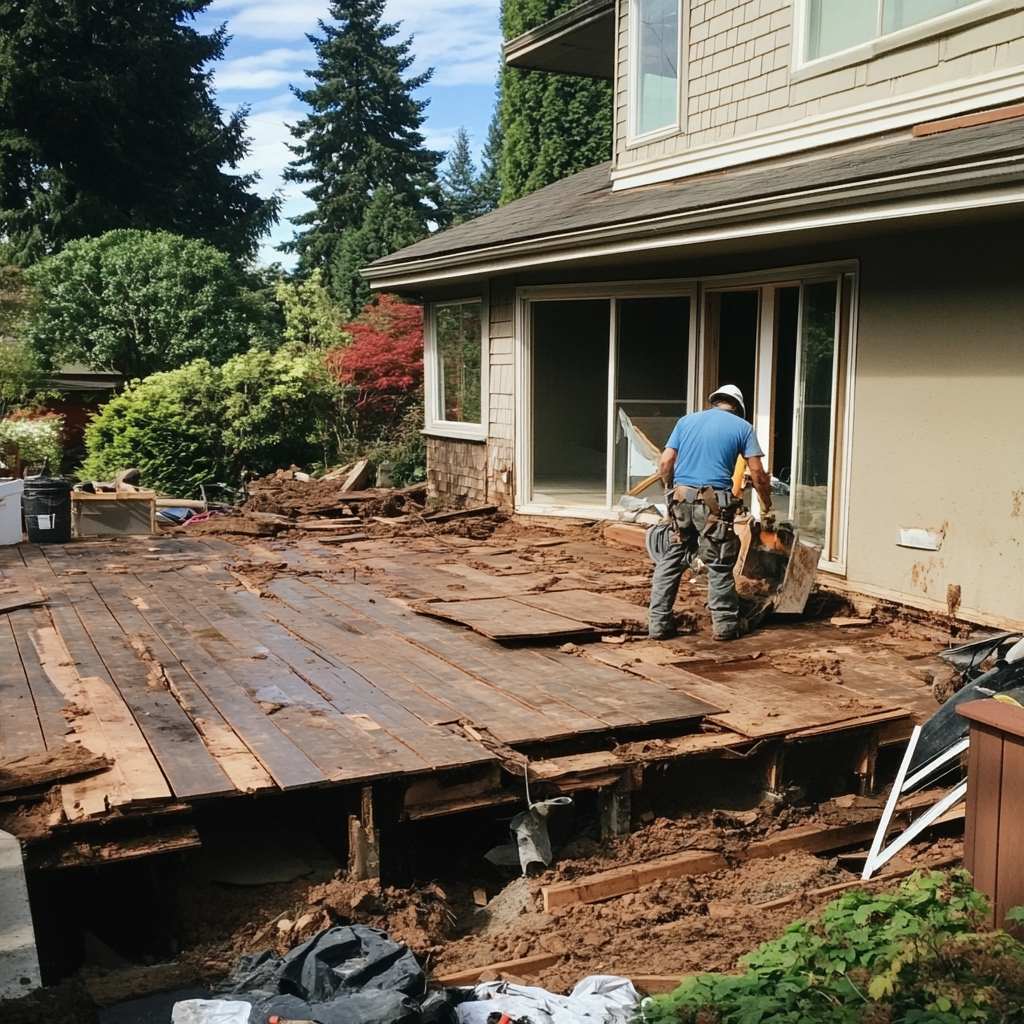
pixel 384 361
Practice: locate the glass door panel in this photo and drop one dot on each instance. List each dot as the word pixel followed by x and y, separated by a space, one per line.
pixel 570 402
pixel 651 371
pixel 814 406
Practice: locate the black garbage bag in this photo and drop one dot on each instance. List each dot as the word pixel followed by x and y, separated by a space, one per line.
pixel 344 975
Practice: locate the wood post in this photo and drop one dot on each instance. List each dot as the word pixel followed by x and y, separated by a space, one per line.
pixel 364 840
pixel 617 807
pixel 867 764
pixel 773 774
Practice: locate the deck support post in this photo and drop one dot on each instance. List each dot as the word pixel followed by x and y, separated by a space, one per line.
pixel 774 771
pixel 866 764
pixel 617 807
pixel 364 840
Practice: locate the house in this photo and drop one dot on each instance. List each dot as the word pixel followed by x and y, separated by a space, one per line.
pixel 821 202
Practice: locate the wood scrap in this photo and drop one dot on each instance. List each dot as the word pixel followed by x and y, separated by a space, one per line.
pixel 347 538
pixel 358 476
pixel 526 965
pixel 459 513
pixel 22 599
pixel 70 761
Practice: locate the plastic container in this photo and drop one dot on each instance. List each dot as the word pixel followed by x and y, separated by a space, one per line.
pixel 47 507
pixel 10 511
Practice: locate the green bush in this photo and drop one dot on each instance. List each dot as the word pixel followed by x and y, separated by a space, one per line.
pixel 203 424
pixel 139 302
pixel 170 425
pixel 36 439
pixel 916 955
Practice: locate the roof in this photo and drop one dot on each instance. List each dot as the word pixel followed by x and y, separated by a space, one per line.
pixel 580 41
pixel 585 209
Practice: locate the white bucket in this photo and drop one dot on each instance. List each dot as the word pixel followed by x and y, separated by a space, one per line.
pixel 10 511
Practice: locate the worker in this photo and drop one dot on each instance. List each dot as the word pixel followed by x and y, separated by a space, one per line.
pixel 696 468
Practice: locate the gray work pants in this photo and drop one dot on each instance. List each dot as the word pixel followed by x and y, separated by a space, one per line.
pixel 718 550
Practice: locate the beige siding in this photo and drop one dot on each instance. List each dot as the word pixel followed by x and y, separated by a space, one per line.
pixel 739 79
pixel 470 472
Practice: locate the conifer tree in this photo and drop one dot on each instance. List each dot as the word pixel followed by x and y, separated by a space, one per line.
pixel 488 185
pixel 108 120
pixel 553 125
pixel 390 223
pixel 362 134
pixel 460 183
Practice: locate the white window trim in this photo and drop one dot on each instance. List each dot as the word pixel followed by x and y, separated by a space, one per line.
pixel 434 424
pixel 942 24
pixel 633 137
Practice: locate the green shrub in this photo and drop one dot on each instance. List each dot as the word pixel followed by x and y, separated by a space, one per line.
pixel 204 424
pixel 914 956
pixel 37 440
pixel 169 425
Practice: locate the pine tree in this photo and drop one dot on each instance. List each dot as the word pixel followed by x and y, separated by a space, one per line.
pixel 108 120
pixel 390 223
pixel 362 135
pixel 488 185
pixel 459 182
pixel 553 125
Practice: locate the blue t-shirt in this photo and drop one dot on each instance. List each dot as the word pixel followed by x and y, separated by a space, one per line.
pixel 707 445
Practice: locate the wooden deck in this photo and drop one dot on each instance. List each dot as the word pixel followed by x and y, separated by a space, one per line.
pixel 204 668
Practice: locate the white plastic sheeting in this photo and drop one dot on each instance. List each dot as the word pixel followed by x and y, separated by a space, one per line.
pixel 599 999
pixel 211 1011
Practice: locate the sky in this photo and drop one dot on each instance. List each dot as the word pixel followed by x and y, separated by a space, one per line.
pixel 269 52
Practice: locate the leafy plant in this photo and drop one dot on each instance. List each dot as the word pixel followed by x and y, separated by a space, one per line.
pixel 139 302
pixel 310 315
pixel 203 424
pixel 913 955
pixel 35 441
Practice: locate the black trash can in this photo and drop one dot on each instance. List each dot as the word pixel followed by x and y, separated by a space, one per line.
pixel 46 506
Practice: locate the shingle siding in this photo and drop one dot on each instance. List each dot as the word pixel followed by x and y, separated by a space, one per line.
pixel 471 472
pixel 739 57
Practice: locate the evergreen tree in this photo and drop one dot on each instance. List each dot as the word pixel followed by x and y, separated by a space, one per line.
pixel 389 224
pixel 488 185
pixel 459 182
pixel 108 120
pixel 362 135
pixel 553 125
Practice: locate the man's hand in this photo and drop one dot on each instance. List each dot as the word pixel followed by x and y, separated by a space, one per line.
pixel 768 519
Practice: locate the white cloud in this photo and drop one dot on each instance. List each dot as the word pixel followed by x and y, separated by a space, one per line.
pixel 460 39
pixel 267 70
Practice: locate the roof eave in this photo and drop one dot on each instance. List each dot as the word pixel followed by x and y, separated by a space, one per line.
pixel 579 42
pixel 920 193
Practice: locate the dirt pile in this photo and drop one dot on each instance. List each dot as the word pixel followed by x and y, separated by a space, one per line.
pixel 286 493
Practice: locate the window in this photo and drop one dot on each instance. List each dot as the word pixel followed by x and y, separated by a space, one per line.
pixel 832 26
pixel 656 66
pixel 455 366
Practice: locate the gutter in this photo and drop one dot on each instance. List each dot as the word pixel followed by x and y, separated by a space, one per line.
pixel 983 183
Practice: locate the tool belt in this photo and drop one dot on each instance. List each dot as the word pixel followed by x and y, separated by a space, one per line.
pixel 721 505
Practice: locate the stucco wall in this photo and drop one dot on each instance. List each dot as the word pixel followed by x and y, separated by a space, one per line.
pixel 738 61
pixel 938 422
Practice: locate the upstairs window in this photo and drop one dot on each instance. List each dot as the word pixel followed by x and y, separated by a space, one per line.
pixel 455 369
pixel 655 66
pixel 833 26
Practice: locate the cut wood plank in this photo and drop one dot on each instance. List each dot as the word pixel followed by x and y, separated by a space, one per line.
pixel 628 535
pixel 358 476
pixel 43 769
pixel 49 703
pixel 11 602
pixel 502 618
pixel 460 513
pixel 95 795
pixel 347 538
pixel 601 610
pixel 245 772
pixel 618 881
pixel 190 769
pixel 20 731
pixel 526 965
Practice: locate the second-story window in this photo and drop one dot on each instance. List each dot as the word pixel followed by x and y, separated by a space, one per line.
pixel 832 26
pixel 656 66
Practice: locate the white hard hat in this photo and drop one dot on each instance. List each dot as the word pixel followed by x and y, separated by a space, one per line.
pixel 731 392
